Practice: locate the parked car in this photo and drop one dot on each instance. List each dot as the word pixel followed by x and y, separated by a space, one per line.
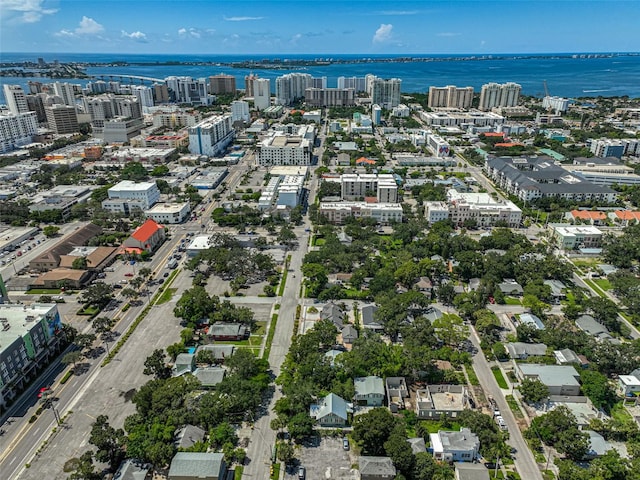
pixel 116 285
pixel 345 443
pixel 302 473
pixel 128 274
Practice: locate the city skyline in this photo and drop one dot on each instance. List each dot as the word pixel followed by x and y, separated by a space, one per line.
pixel 284 27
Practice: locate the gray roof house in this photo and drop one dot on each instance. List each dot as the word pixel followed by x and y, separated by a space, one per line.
pixel 511 287
pixel 220 352
pixel 462 446
pixel 188 436
pixel 334 313
pixel 369 391
pixel 531 319
pixel 437 400
pixel 331 355
pixel 557 290
pixel 432 314
pixel 132 469
pixel 228 331
pixel 520 350
pixel 349 334
pixel 471 471
pixel 368 318
pixel 559 379
pixel 566 356
pixel 185 363
pixel 210 376
pixel 590 325
pixel 598 446
pixel 417 445
pixel 332 411
pixel 376 468
pixel 200 466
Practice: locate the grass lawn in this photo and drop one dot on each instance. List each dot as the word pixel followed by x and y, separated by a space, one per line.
pixel 43 291
pixel 283 282
pixel 432 426
pixel 260 328
pixel 166 296
pixel 513 405
pixel 318 242
pixel 353 294
pixel 276 471
pixel 595 287
pixel 512 301
pixel 473 378
pixel 497 373
pixel 603 283
pixel 237 472
pixel 619 413
pixel 90 310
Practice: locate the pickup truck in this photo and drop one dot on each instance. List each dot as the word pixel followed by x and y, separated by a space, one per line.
pixel 172 263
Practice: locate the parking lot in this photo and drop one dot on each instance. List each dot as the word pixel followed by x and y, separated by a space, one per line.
pixel 324 459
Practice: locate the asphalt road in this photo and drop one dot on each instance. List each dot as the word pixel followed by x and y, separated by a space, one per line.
pixel 524 460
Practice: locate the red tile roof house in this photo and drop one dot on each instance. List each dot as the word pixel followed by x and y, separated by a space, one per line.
pixel 147 237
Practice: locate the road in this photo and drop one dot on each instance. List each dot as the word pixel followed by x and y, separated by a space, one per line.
pixel 98 390
pixel 524 460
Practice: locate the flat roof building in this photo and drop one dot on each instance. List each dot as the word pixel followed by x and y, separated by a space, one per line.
pixel 384 213
pixel 283 149
pixel 211 136
pixel 169 212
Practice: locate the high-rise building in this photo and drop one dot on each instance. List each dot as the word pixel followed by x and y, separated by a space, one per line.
pixel 176 119
pixel 16 99
pixel 450 97
pixel 359 84
pixel 211 136
pixel 385 93
pixel 160 93
pixel 558 104
pixel 291 87
pixel 261 93
pixel 114 118
pixel 319 82
pixel 376 114
pixel 284 149
pixel 62 118
pixel 35 87
pixel 36 104
pixel 188 90
pixel 220 84
pixel 330 97
pixel 240 111
pixel 17 130
pixel 249 81
pixel 499 95
pixel 66 92
pixel 144 96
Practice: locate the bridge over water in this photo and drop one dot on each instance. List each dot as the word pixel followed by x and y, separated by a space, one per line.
pixel 122 77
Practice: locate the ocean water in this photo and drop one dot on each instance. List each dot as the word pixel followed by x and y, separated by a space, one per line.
pixel 615 75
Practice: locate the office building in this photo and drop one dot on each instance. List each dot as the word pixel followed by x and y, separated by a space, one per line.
pixel 603 171
pixel 28 342
pixel 17 130
pixel 606 147
pixel 16 99
pixel 495 95
pixel 211 136
pixel 284 149
pixel 572 237
pixel 62 118
pixel 385 93
pixel 384 213
pixel 168 212
pixel 450 97
pixel 127 195
pixel 329 97
pixel 291 87
pixel 240 111
pixel 358 186
pixel 66 92
pixel 261 93
pixel 222 84
pixel 438 145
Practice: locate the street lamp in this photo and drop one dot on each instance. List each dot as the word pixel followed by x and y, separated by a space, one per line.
pixel 47 402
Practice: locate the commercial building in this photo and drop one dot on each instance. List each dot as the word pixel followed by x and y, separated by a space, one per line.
pixel 221 84
pixel 289 191
pixel 572 237
pixel 463 120
pixel 357 186
pixel 495 95
pixel 261 93
pixel 530 178
pixel 384 213
pixel 114 118
pixel 126 196
pixel 16 99
pixel 606 147
pixel 147 237
pixel 480 208
pixel 603 171
pixel 210 178
pixel 62 118
pixel 28 342
pixel 211 136
pixel 283 149
pixel 450 97
pixel 197 466
pixel 240 111
pixel 330 97
pixel 292 87
pixel 17 130
pixel 175 120
pixel 559 379
pixel 169 212
pixel 385 93
pixel 438 145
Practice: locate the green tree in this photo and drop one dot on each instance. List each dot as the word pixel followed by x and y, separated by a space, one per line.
pixel 286 452
pixel 597 388
pixel 84 340
pixel 50 231
pixel 300 426
pixel 79 263
pixel 109 442
pixel 451 329
pixel 372 429
pixel 533 391
pixel 194 305
pixel 221 434
pixel 398 449
pixel 85 470
pixel 99 294
pixel 154 365
pixel 72 357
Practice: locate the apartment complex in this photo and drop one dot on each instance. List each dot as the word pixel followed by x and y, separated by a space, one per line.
pixel 127 196
pixel 211 136
pixel 359 84
pixel 261 93
pixel 385 93
pixel 28 342
pixel 292 87
pixel 177 119
pixel 480 208
pixel 16 99
pixel 530 178
pixel 450 97
pixel 62 118
pixel 221 84
pixel 462 120
pixel 240 111
pixel 188 90
pixel 384 213
pixel 495 95
pixel 330 97
pixel 114 118
pixel 603 171
pixel 17 130
pixel 357 186
pixel 281 148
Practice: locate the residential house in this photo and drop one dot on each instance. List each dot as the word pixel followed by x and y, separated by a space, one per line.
pixel 376 468
pixel 520 351
pixel 629 385
pixel 332 411
pixel 417 445
pixel 557 290
pixel 531 320
pixel 598 446
pixel 424 285
pixel 437 400
pixel 349 334
pixel 567 356
pixel 369 391
pixel 185 363
pixel 586 216
pixel 368 319
pixel 132 469
pixel 470 471
pixel 146 238
pixel 219 352
pixel 397 391
pixel 590 325
pixel 334 314
pixel 432 314
pixel 511 287
pixel 196 465
pixel 188 436
pixel 462 446
pixel 559 379
pixel 228 331
pixel 209 377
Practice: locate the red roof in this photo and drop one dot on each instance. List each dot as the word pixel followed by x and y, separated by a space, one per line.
pixel 588 215
pixel 509 144
pixel 494 134
pixel 146 230
pixel 365 160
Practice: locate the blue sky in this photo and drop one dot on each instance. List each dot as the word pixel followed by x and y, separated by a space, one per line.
pixel 319 26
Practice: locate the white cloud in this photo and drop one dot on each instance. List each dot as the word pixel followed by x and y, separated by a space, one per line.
pixel 88 26
pixel 138 36
pixel 398 12
pixel 191 32
pixel 182 31
pixel 25 11
pixel 448 34
pixel 383 33
pixel 295 38
pixel 242 19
